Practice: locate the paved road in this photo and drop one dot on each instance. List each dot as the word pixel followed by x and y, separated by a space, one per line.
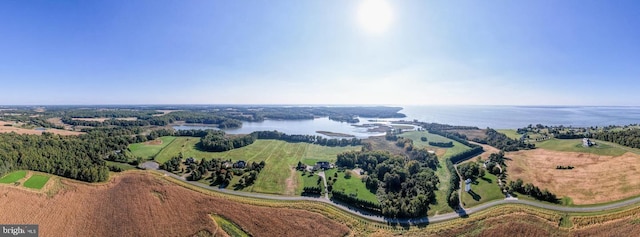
pixel 324 179
pixel 424 220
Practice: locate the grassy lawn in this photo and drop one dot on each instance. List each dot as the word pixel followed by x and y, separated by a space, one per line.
pixel 279 156
pixel 351 185
pixel 229 227
pixel 575 145
pixel 36 181
pixel 443 174
pixel 308 181
pixel 485 189
pixel 511 133
pixel 122 166
pixel 147 151
pixel 13 176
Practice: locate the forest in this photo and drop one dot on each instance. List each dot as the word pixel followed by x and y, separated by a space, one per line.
pixel 404 188
pixel 82 157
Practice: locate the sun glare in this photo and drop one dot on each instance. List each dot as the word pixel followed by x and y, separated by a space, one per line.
pixel 374 15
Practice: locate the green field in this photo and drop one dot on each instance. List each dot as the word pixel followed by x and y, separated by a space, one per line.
pixel 229 227
pixel 13 176
pixel 308 180
pixel 279 156
pixel 575 145
pixel 511 133
pixel 122 166
pixel 148 151
pixel 351 185
pixel 443 174
pixel 485 189
pixel 36 181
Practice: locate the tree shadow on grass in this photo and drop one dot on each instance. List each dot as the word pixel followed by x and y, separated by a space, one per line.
pixel 486 179
pixel 474 195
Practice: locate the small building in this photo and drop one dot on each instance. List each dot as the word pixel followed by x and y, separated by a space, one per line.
pixel 467 186
pixel 586 142
pixel 325 165
pixel 190 160
pixel 240 164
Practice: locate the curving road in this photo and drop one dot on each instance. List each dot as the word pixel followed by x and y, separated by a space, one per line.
pixel 425 220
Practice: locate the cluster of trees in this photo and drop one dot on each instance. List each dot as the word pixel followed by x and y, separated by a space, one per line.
pixel 75 157
pixel 533 191
pixel 220 172
pixel 404 188
pixel 405 143
pixel 318 140
pixel 494 160
pixel 441 144
pixel 471 170
pixel 502 142
pixel 216 140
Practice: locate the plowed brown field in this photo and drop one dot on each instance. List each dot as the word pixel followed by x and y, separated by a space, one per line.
pixel 138 204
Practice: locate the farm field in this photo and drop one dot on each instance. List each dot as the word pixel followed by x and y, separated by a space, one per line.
pixel 37 181
pixel 351 185
pixel 595 178
pixel 280 157
pixel 13 176
pixel 443 174
pixel 143 204
pixel 575 145
pixel 19 130
pixel 485 189
pixel 148 149
pixel 511 133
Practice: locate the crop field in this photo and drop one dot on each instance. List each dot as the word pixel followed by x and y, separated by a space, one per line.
pixel 595 178
pixel 19 130
pixel 13 176
pixel 142 204
pixel 37 181
pixel 575 145
pixel 484 190
pixel 148 149
pixel 280 157
pixel 351 185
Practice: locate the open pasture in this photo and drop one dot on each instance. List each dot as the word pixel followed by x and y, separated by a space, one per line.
pixel 594 178
pixel 280 157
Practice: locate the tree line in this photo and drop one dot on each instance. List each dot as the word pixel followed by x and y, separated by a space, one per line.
pixel 533 191
pixel 318 140
pixel 502 142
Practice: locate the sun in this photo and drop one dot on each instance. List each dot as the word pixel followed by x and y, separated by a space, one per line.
pixel 375 16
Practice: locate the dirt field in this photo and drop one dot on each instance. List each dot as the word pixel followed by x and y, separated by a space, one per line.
pixel 8 129
pixel 154 142
pixel 138 204
pixel 595 178
pixel 104 119
pixel 488 150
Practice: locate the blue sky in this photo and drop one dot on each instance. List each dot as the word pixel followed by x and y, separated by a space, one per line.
pixel 315 52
